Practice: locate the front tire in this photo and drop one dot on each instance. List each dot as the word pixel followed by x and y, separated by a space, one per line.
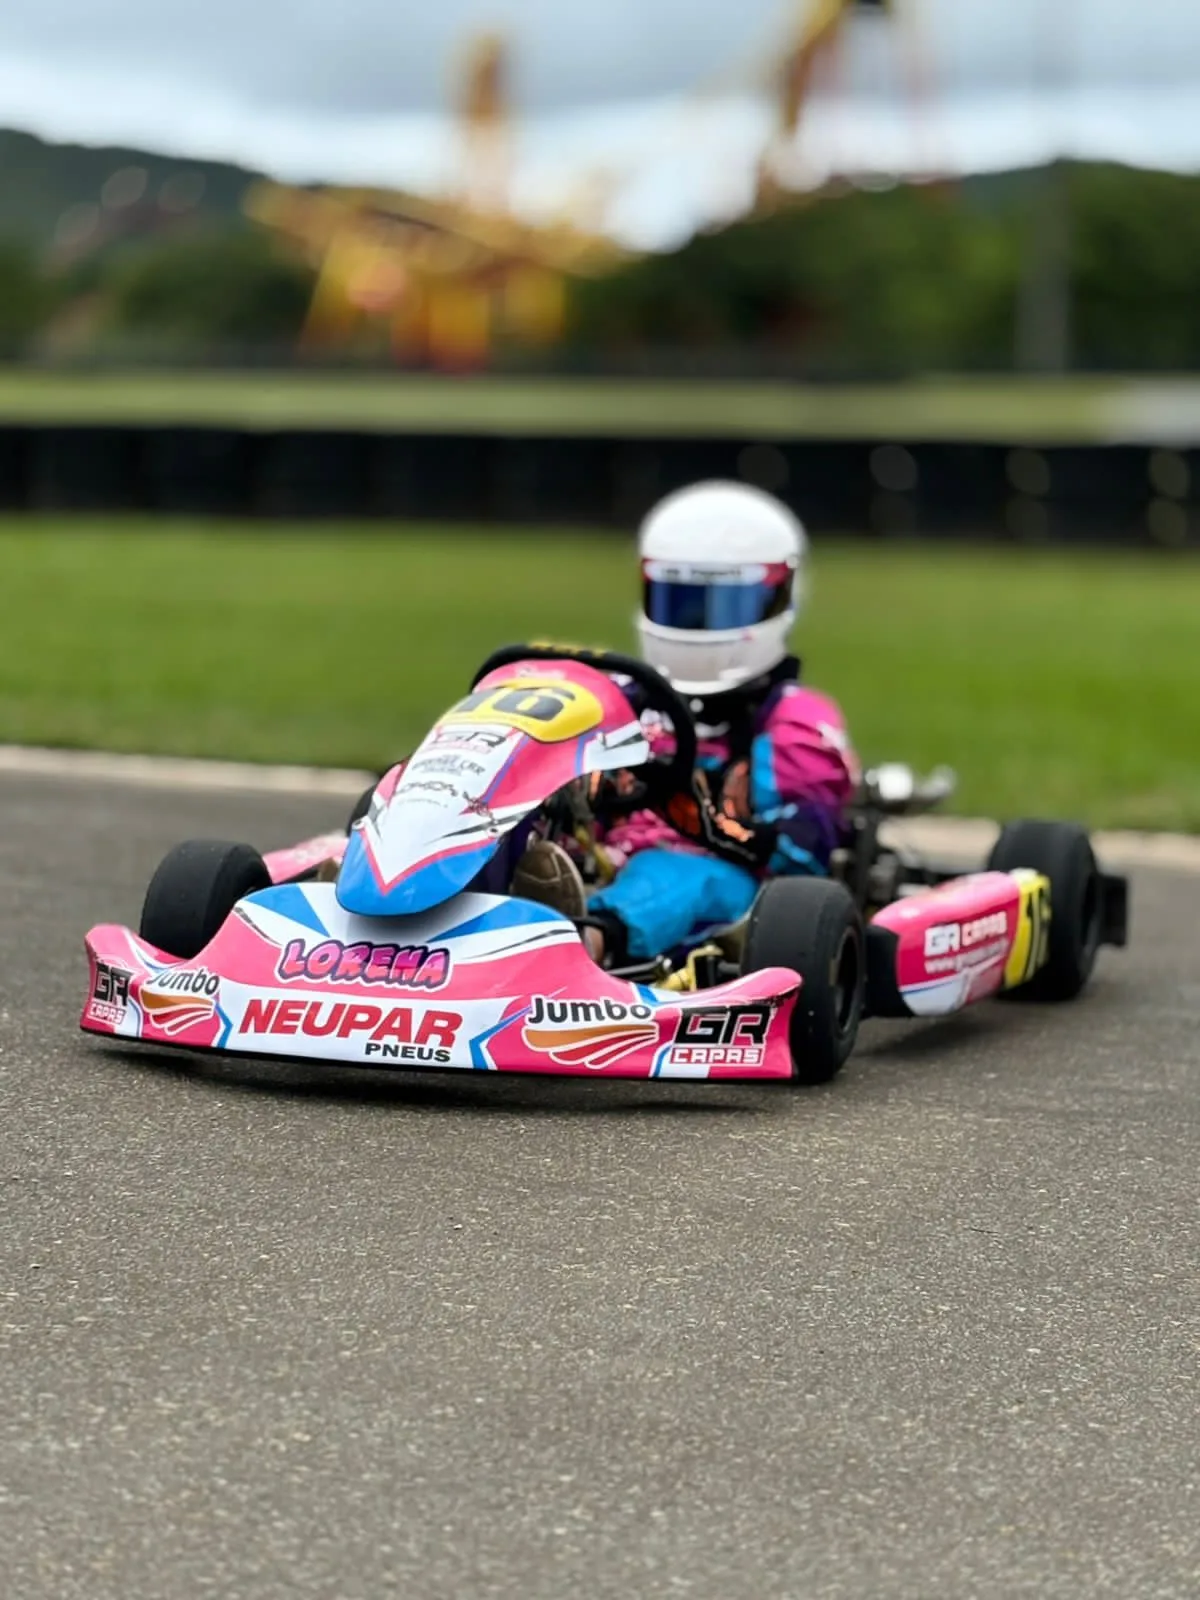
pixel 1062 852
pixel 813 926
pixel 193 891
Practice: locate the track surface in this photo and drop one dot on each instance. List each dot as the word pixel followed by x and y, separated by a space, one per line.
pixel 929 1332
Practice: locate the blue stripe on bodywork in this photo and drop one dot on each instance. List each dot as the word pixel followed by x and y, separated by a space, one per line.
pixel 226 1028
pixel 479 1061
pixel 509 914
pixel 289 900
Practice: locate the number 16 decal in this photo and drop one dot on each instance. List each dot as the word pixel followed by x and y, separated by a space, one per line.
pixel 546 709
pixel 1038 912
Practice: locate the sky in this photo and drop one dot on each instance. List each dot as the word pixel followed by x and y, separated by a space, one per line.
pixel 356 90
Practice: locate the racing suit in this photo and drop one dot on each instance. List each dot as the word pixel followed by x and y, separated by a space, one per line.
pixel 780 771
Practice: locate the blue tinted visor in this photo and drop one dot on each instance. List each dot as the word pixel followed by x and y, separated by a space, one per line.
pixel 714 607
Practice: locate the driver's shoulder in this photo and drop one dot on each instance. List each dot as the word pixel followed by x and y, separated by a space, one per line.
pixel 801 707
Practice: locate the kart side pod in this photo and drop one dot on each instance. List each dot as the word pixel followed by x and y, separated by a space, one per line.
pixel 990 933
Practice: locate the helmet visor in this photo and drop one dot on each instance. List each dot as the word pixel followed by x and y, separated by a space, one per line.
pixel 714 602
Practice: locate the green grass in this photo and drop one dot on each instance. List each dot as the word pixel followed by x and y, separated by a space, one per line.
pixel 1058 684
pixel 1039 410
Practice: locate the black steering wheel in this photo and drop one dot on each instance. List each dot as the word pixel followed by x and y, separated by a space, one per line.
pixel 660 696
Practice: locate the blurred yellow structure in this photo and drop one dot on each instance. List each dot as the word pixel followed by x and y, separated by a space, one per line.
pixel 445 279
pixel 809 59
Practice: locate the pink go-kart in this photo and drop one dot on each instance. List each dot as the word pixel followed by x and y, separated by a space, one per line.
pixel 399 945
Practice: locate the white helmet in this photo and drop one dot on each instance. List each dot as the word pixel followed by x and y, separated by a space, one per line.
pixel 722 582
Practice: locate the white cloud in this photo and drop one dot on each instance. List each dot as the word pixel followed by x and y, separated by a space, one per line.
pixel 357 92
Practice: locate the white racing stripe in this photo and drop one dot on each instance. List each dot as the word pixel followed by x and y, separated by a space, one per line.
pixel 965 837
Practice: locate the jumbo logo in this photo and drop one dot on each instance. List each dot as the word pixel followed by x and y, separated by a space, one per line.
pixel 588 1033
pixel 407 966
pixel 173 1001
pixel 541 705
pixel 394 1033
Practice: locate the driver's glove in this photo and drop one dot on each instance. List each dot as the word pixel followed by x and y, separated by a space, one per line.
pixel 694 813
pixel 691 811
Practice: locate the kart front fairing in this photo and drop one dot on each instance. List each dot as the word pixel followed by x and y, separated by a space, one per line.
pixel 403 964
pixel 524 733
pixel 481 983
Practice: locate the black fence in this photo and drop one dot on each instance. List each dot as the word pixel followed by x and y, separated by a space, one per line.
pixel 1132 494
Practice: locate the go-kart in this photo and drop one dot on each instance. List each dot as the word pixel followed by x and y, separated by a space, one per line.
pixel 397 943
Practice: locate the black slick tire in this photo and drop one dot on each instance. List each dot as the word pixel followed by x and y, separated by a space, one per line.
pixel 196 886
pixel 813 926
pixel 1062 852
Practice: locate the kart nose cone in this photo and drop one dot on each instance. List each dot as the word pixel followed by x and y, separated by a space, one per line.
pixel 419 886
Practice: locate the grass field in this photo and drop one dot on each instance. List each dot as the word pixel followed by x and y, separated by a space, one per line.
pixel 1040 410
pixel 1059 684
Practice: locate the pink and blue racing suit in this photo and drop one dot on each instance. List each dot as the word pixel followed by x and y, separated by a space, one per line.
pixel 791 787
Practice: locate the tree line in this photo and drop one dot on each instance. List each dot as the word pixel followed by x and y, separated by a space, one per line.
pixel 860 282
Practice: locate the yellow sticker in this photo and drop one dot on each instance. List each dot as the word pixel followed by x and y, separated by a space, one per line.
pixel 1031 945
pixel 543 706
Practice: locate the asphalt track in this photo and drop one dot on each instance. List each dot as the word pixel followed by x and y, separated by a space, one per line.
pixel 929 1332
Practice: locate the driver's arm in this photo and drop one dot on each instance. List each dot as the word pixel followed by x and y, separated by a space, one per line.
pixel 691 811
pixel 803 777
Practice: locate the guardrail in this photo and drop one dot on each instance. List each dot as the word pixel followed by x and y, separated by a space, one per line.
pixel 1123 493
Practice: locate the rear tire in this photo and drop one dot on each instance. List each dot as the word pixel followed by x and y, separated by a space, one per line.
pixel 813 926
pixel 195 888
pixel 1063 852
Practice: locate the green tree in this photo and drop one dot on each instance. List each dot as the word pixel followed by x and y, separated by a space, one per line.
pixel 24 299
pixel 1135 268
pixel 228 287
pixel 911 279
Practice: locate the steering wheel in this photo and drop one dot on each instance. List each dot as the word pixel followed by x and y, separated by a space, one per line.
pixel 660 696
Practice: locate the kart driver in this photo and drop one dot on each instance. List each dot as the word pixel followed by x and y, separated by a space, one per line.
pixel 722 568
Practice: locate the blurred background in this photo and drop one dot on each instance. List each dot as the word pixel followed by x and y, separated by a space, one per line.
pixel 927 269
pixel 784 187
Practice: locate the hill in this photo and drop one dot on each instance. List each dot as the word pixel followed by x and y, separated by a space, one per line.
pixel 48 191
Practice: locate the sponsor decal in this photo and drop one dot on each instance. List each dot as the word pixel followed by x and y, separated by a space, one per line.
pixel 722 1036
pixel 947 938
pixel 173 1001
pixel 386 1033
pixel 454 736
pixel 952 947
pixel 703 573
pixel 110 993
pixel 425 786
pixel 967 960
pixel 588 1033
pixel 460 765
pixel 541 672
pixel 407 966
